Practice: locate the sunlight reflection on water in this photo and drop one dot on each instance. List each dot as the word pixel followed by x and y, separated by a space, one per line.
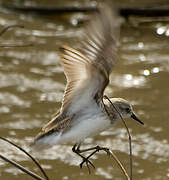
pixel 128 81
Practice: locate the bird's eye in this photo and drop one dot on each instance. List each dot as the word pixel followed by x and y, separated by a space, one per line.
pixel 127 109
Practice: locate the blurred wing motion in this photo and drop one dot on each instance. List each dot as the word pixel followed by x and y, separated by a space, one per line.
pixel 87 71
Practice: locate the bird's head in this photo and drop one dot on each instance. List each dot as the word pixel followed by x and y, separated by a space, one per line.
pixel 121 108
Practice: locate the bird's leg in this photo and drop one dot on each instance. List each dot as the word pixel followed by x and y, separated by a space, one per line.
pixel 85 150
pixel 76 149
pixel 97 149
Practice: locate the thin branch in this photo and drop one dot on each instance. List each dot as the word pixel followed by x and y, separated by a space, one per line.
pixel 21 168
pixel 13 45
pixel 33 159
pixel 9 27
pixel 129 136
pixel 120 165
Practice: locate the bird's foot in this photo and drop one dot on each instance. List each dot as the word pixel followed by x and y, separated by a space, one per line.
pixel 88 164
pixel 97 149
pixel 107 150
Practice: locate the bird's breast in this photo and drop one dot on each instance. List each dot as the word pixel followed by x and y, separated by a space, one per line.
pixel 86 125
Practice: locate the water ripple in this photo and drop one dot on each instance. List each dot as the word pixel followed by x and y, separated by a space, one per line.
pixel 11 99
pixel 22 124
pixel 25 83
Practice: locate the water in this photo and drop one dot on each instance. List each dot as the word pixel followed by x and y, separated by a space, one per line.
pixel 32 85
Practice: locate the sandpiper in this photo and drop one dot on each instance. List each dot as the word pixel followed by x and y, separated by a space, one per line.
pixel 84 111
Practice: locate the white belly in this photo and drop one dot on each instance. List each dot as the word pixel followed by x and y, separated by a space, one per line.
pixel 86 126
pixel 90 122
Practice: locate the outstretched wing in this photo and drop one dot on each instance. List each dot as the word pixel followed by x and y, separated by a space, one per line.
pixel 87 71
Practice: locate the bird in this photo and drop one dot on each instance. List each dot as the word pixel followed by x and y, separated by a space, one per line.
pixel 86 110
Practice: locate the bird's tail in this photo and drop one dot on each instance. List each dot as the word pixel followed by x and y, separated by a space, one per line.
pixel 44 141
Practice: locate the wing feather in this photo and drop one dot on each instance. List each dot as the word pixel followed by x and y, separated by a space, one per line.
pixel 87 71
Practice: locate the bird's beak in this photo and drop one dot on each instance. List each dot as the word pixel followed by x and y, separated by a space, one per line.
pixel 136 118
